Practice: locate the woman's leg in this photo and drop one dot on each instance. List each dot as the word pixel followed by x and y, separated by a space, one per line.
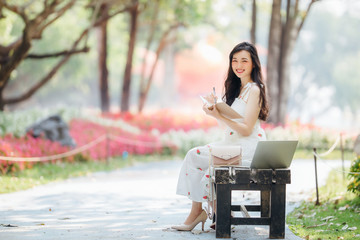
pixel 196 209
pixel 194 168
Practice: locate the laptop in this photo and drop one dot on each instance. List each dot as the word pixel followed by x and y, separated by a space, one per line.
pixel 273 154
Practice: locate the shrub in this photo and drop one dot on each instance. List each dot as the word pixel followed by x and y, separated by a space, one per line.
pixel 354 185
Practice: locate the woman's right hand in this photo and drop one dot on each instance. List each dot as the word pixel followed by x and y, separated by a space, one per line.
pixel 211 98
pixel 212 111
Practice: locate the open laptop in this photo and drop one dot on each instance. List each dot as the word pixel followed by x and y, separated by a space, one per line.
pixel 273 154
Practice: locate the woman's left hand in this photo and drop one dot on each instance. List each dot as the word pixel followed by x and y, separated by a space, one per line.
pixel 212 111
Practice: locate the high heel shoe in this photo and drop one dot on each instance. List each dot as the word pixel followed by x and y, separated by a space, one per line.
pixel 184 227
pixel 213 225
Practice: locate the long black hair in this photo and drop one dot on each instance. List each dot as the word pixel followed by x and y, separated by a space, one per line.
pixel 233 83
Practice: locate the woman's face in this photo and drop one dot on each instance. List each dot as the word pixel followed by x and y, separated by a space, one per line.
pixel 242 64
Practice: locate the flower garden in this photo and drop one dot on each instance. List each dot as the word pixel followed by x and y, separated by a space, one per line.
pixel 162 132
pixel 124 134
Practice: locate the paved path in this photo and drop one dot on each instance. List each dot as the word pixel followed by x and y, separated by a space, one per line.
pixel 133 203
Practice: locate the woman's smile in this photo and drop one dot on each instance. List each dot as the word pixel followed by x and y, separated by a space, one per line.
pixel 242 65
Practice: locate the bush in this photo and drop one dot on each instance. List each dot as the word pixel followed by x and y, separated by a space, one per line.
pixel 354 185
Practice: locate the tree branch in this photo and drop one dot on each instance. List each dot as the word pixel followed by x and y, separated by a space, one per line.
pixel 28 4
pixel 16 10
pixel 162 44
pixel 30 30
pixel 45 79
pixel 37 34
pixel 40 23
pixel 148 43
pixel 5 50
pixel 102 19
pixel 60 12
pixel 304 17
pixel 18 55
pixel 58 54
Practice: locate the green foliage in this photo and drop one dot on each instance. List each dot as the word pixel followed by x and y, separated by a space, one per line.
pixel 74 82
pixel 10 27
pixel 354 185
pixel 328 221
pixel 338 216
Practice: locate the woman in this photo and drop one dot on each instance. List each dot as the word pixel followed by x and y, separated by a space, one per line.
pixel 245 93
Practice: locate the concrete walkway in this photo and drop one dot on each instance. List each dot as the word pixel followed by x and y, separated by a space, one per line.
pixel 138 202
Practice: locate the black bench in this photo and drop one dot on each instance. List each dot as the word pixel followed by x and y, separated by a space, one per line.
pixel 272 187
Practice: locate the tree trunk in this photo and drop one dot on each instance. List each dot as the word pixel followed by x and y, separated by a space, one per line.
pixel 145 92
pixel 163 42
pixel 103 70
pixel 8 67
pixel 273 60
pixel 288 42
pixel 124 105
pixel 282 38
pixel 149 41
pixel 253 23
pixel 2 104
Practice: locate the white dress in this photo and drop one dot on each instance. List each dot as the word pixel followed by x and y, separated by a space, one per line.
pixel 194 175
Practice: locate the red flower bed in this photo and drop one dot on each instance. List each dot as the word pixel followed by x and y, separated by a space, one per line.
pixel 117 141
pixel 110 141
pixel 165 121
pixel 25 147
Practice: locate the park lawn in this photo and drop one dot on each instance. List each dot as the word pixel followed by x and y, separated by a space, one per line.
pixel 336 154
pixel 337 216
pixel 46 173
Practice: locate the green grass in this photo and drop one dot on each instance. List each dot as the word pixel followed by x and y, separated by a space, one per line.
pixel 336 154
pixel 45 173
pixel 337 216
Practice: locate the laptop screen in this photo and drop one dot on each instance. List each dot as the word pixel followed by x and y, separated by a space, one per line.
pixel 273 154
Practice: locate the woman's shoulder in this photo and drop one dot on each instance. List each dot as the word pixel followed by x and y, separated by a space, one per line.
pixel 254 89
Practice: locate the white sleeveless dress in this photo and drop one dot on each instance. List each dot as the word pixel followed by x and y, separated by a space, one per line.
pixel 194 175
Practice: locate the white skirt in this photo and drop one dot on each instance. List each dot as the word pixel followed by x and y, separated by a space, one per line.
pixel 194 175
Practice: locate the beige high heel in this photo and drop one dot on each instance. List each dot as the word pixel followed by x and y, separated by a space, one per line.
pixel 201 218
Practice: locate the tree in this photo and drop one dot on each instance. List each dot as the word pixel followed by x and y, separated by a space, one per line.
pixel 149 40
pixel 285 27
pixel 37 17
pixel 134 12
pixel 253 23
pixel 34 25
pixel 131 7
pixel 102 52
pixel 166 18
pixel 163 28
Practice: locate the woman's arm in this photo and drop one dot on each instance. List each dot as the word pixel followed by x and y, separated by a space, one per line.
pixel 252 111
